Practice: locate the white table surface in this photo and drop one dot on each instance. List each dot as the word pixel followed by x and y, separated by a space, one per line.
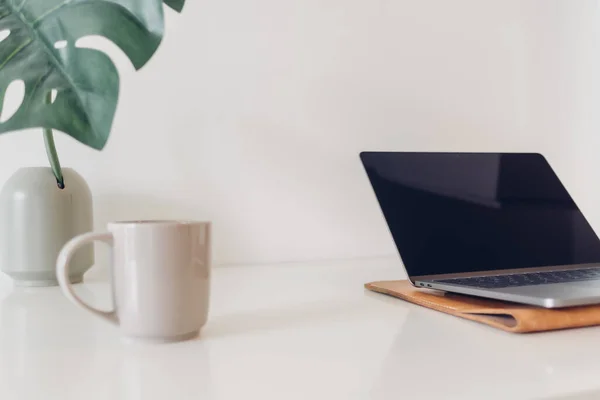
pixel 291 331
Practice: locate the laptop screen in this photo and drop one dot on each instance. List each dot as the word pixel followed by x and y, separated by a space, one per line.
pixel 473 212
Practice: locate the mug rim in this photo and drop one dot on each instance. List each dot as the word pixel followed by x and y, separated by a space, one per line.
pixel 158 222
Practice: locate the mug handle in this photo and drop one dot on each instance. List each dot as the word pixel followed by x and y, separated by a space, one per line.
pixel 62 271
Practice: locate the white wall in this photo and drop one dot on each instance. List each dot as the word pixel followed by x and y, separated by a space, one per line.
pixel 252 113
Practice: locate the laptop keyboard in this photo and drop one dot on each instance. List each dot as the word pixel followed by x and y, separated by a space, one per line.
pixel 526 279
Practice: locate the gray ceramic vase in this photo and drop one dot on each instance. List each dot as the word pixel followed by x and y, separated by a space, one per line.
pixel 37 218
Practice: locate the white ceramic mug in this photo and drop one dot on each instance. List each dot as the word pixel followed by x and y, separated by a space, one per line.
pixel 160 277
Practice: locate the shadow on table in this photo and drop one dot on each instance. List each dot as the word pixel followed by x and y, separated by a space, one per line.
pixel 291 317
pixel 436 355
pixel 592 395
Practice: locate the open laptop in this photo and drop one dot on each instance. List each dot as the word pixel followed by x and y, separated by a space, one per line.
pixel 496 225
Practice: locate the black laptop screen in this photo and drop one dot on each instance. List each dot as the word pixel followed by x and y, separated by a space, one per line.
pixel 451 212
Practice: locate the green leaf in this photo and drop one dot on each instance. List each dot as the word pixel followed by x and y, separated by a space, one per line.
pixel 176 5
pixel 41 51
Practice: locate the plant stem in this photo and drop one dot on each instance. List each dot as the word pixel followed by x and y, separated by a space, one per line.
pixel 51 152
pixel 53 157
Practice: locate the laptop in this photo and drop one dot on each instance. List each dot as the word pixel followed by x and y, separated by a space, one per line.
pixel 494 225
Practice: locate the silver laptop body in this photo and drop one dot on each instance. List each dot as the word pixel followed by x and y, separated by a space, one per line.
pixel 494 225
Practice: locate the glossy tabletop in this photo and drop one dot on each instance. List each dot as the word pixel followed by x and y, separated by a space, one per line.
pixel 289 331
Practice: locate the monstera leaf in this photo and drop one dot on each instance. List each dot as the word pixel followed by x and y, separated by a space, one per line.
pixel 40 50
